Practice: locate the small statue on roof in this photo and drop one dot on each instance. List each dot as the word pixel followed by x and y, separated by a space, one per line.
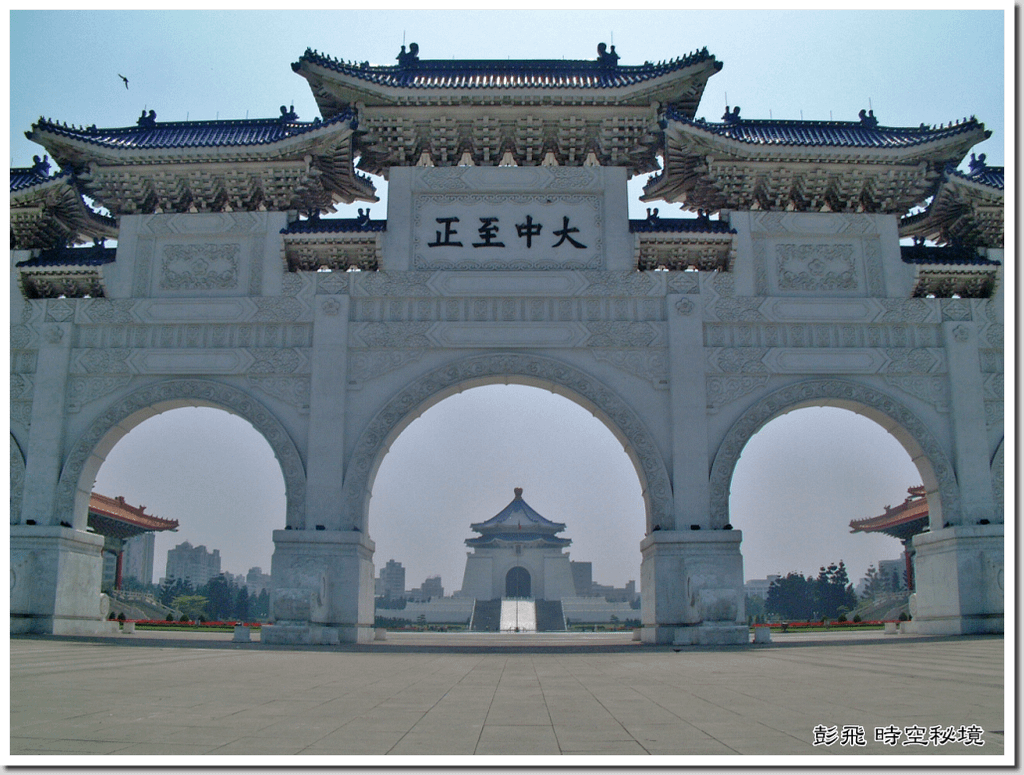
pixel 364 216
pixel 288 114
pixel 867 118
pixel 731 118
pixel 41 166
pixel 406 59
pixel 147 120
pixel 978 164
pixel 652 215
pixel 606 57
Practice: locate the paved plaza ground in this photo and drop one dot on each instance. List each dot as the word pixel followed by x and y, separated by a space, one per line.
pixel 127 698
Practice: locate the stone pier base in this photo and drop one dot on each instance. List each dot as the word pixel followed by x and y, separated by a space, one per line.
pixel 692 586
pixel 958 573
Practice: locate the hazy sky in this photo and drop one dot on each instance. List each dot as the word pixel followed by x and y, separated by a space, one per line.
pixel 795 489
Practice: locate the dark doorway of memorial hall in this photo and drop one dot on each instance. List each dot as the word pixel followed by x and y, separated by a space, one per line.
pixel 517 582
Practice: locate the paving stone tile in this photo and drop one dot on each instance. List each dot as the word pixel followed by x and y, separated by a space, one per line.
pixel 498 739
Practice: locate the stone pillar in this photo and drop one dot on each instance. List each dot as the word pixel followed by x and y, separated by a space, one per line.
pixel 325 450
pixel 958 570
pixel 691 486
pixel 692 583
pixel 46 437
pixel 967 413
pixel 323 587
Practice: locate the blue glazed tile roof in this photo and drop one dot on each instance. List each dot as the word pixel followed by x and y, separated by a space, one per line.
pixel 190 134
pixel 504 73
pixel 680 225
pixel 840 134
pixel 335 226
pixel 26 177
pixel 987 176
pixel 516 536
pixel 516 514
pixel 950 255
pixel 96 255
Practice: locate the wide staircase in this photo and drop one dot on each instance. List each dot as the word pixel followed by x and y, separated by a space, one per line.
pixel 549 616
pixel 486 616
pixel 518 615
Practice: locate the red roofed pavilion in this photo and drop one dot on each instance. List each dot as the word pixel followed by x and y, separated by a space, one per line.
pixel 118 521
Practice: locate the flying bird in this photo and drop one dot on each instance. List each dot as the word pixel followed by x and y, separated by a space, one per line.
pixel 123 79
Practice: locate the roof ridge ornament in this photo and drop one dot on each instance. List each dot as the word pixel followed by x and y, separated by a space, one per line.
pixel 410 58
pixel 977 164
pixel 731 118
pixel 867 118
pixel 288 114
pixel 605 57
pixel 147 120
pixel 519 493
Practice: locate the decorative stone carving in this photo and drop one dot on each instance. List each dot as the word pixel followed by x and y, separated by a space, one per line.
pixel 199 267
pixel 933 390
pixel 21 414
pixel 53 334
pixel 278 308
pixel 738 360
pixel 83 390
pixel 267 360
pixel 400 335
pixel 685 307
pixel 961 333
pixel 619 284
pixel 955 309
pixel 103 361
pixel 912 361
pixel 726 389
pixel 371 444
pixel 331 307
pixel 294 391
pixel 331 283
pixel 107 310
pixel 816 268
pixel 909 310
pixel 59 310
pixel 21 386
pixel 21 337
pixel 17 481
pixel 683 282
pixel 364 366
pixel 622 334
pixel 645 364
pixel 828 392
pixel 199 392
pixel 292 284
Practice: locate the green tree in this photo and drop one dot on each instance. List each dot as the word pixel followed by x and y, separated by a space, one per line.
pixel 242 611
pixel 833 593
pixel 221 596
pixel 172 588
pixel 262 609
pixel 791 597
pixel 193 606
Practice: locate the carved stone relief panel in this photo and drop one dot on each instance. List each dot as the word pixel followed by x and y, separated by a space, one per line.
pixel 817 268
pixel 199 267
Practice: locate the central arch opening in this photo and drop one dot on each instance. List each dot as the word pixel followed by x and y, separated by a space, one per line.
pixel 465 461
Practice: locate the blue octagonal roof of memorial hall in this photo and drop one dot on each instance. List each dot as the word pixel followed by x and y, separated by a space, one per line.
pixel 519 516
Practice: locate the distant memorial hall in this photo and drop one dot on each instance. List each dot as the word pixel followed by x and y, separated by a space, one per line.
pixel 841 263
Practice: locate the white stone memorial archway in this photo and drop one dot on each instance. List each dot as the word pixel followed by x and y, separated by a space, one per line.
pixel 507 254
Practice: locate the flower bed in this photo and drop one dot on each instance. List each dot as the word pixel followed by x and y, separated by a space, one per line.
pixel 787 626
pixel 163 624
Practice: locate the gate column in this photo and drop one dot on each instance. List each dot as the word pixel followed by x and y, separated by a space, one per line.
pixel 322 570
pixel 692 576
pixel 958 565
pixel 55 570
